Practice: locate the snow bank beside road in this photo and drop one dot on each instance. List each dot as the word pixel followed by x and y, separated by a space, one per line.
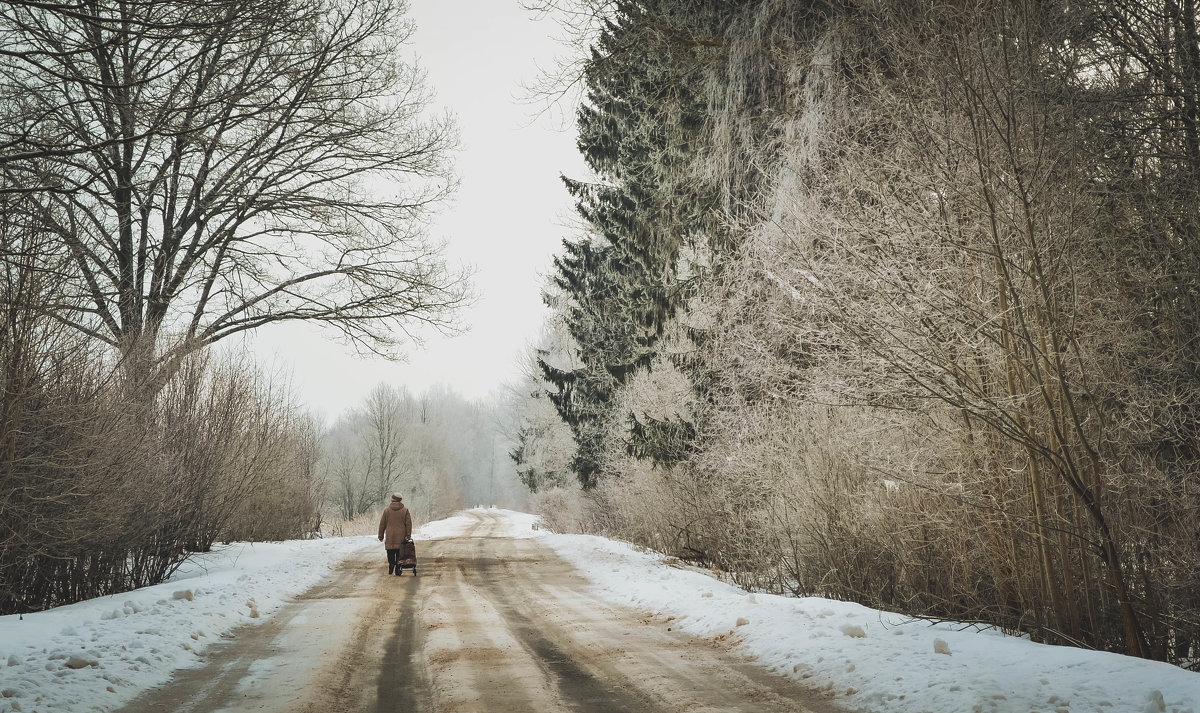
pixel 879 661
pixel 97 655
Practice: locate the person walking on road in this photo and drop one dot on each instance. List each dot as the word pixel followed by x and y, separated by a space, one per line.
pixel 395 530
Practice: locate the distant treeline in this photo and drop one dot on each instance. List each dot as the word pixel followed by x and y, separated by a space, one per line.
pixel 890 301
pixel 439 450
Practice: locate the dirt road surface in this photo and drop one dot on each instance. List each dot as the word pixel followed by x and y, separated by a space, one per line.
pixel 491 623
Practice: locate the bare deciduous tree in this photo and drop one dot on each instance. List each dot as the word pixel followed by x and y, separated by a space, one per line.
pixel 234 165
pixel 386 419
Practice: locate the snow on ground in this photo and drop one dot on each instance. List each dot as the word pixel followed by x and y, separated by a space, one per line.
pixel 877 661
pixel 97 655
pixel 515 525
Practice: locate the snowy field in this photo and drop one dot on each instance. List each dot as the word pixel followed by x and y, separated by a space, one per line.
pixel 96 655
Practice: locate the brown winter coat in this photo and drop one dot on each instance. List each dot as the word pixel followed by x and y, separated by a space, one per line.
pixel 395 526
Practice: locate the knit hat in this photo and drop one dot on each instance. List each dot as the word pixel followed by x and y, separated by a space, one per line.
pixel 396 497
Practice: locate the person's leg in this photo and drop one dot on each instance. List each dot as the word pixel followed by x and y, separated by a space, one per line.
pixel 393 557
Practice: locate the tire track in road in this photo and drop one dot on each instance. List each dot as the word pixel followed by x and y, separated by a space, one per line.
pixel 628 664
pixel 584 691
pixel 493 623
pixel 283 663
pixel 475 660
pixel 404 684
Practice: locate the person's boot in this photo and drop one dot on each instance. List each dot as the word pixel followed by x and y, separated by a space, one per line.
pixel 391 568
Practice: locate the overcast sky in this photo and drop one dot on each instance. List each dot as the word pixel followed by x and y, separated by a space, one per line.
pixel 506 220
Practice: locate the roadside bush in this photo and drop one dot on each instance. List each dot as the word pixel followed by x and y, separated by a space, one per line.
pixel 102 493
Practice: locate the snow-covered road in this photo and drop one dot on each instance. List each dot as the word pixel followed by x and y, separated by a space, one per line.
pixel 505 617
pixel 492 623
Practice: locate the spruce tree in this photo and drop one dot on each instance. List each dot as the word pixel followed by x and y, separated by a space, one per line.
pixel 640 131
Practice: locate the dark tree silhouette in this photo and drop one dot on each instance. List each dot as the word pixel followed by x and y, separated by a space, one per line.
pixel 215 167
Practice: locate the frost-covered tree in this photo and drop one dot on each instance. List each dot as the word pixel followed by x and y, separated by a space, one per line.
pixel 386 426
pixel 942 357
pixel 543 445
pixel 640 129
pixel 442 451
